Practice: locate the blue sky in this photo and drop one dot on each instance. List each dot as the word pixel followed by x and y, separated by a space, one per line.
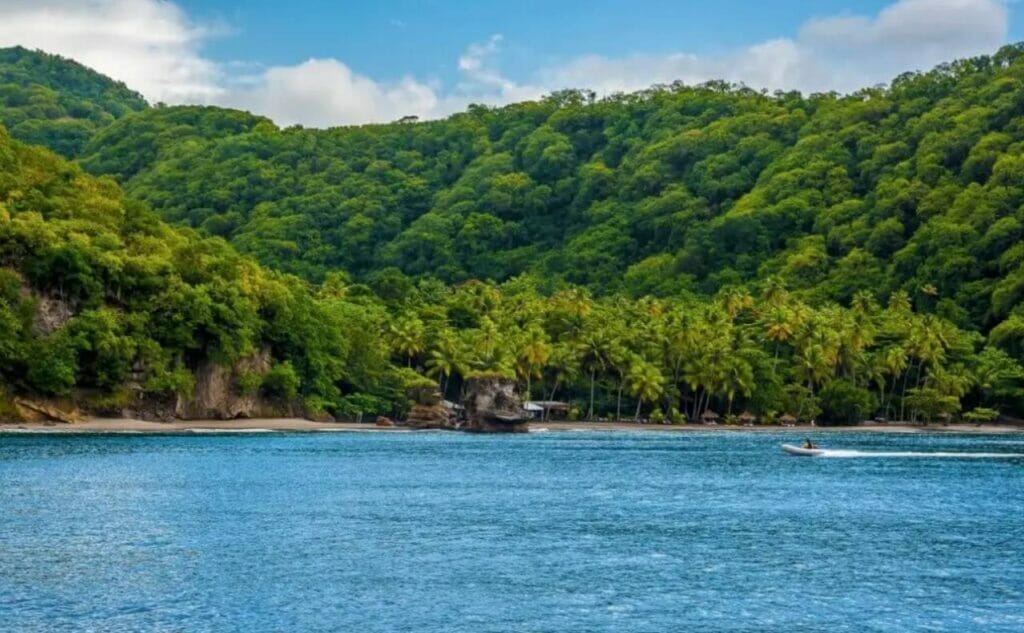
pixel 390 38
pixel 325 63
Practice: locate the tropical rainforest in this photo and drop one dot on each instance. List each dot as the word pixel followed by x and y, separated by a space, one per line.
pixel 656 254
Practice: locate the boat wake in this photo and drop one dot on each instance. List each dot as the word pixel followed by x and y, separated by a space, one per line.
pixel 839 453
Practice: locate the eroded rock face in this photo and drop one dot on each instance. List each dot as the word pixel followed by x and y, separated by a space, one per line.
pixel 428 410
pixel 151 407
pixel 51 314
pixel 217 394
pixel 493 405
pixel 42 411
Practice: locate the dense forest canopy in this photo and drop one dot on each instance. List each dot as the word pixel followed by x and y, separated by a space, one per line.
pixel 674 250
pixel 53 101
pixel 672 191
pixel 135 305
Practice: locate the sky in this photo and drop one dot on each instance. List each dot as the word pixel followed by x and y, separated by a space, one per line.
pixel 325 63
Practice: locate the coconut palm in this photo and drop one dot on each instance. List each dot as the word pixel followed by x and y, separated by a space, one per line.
pixel 533 353
pixel 646 383
pixel 407 338
pixel 446 358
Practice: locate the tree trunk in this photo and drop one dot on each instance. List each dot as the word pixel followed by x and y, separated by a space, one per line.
pixel 554 388
pixel 903 393
pixel 639 403
pixel 590 411
pixel 618 403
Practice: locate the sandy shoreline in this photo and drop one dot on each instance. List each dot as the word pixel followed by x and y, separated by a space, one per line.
pixel 118 425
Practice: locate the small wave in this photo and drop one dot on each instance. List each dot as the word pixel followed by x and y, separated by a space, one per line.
pixel 542 429
pixel 936 454
pixel 229 431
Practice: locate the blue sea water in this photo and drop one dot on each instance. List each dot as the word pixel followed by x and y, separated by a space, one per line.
pixel 620 532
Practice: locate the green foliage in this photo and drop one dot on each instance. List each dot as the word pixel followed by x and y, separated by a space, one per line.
pixel 844 402
pixel 671 191
pixel 249 382
pixel 133 300
pixel 52 101
pixel 282 381
pixel 931 404
pixel 682 249
pixel 51 365
pixel 363 404
pixel 176 381
pixel 981 414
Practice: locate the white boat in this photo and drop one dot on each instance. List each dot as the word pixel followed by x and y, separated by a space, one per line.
pixel 801 451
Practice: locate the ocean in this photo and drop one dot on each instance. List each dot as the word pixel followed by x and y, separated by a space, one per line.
pixel 558 531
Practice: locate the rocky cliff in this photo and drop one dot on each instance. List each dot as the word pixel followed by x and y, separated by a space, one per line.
pixel 493 405
pixel 218 393
pixel 428 410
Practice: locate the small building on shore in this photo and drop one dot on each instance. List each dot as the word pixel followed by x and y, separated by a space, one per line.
pixel 546 409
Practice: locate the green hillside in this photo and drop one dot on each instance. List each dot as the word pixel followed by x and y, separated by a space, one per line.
pixel 103 303
pixel 664 252
pixel 52 101
pixel 675 190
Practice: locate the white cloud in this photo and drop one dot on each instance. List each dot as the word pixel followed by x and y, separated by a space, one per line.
pixel 841 53
pixel 150 45
pixel 154 47
pixel 325 92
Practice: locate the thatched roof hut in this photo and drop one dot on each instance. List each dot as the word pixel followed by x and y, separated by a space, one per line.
pixel 709 417
pixel 787 419
pixel 746 418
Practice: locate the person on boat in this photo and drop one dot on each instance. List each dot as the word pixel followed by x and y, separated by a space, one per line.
pixel 808 444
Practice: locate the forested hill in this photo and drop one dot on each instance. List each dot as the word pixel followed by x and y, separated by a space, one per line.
pixel 678 189
pixel 102 302
pixel 57 102
pixel 836 256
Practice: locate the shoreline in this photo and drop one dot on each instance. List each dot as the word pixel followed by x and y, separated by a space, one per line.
pixel 285 425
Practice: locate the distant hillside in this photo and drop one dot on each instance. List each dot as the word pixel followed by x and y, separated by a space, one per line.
pixel 673 190
pixel 57 102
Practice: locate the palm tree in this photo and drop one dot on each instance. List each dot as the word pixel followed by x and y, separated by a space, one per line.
pixel 407 338
pixel 488 351
pixel 564 364
pixel 593 351
pixel 646 383
pixel 779 327
pixel 890 362
pixel 534 352
pixel 446 358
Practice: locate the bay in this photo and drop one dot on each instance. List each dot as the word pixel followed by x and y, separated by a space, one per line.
pixel 544 532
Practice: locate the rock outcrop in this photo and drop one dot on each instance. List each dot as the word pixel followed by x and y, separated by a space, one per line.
pixel 51 314
pixel 218 395
pixel 428 410
pixel 150 406
pixel 35 411
pixel 494 406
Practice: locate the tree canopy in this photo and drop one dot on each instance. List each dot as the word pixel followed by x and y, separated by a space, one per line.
pixel 52 101
pixel 673 250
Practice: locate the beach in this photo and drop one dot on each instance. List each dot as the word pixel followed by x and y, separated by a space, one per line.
pixel 256 425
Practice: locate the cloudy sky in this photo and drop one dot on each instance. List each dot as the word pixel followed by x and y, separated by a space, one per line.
pixel 322 63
